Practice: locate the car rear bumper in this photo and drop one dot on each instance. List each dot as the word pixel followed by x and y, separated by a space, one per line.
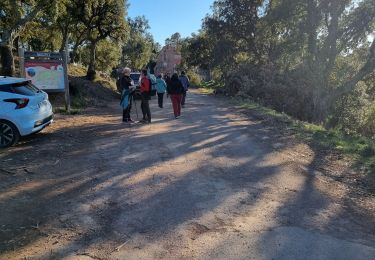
pixel 36 125
pixel 44 121
pixel 41 124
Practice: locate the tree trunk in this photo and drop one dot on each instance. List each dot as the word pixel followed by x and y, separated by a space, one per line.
pixel 321 107
pixel 74 53
pixel 329 50
pixel 7 61
pixel 367 68
pixel 327 101
pixel 312 24
pixel 63 43
pixel 209 73
pixel 78 42
pixel 91 73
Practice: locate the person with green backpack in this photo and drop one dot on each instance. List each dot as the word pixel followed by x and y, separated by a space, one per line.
pixel 153 82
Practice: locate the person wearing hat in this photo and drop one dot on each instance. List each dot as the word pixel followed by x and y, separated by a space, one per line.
pixel 127 88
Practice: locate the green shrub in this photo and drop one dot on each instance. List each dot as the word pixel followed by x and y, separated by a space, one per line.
pixel 194 77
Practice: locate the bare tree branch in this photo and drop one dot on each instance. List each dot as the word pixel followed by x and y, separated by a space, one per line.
pixel 367 68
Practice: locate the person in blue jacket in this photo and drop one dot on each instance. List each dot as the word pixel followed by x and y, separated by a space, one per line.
pixel 186 83
pixel 161 87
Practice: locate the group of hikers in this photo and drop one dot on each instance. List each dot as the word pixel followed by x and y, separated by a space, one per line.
pixel 175 86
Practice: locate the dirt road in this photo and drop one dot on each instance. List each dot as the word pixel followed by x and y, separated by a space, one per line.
pixel 213 184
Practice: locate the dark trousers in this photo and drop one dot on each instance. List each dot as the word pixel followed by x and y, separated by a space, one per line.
pixel 145 106
pixel 183 98
pixel 126 112
pixel 176 102
pixel 160 99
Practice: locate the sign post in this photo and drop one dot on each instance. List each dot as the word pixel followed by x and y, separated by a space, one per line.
pixel 66 81
pixel 21 55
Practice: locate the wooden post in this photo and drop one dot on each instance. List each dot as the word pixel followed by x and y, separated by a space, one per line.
pixel 66 81
pixel 21 59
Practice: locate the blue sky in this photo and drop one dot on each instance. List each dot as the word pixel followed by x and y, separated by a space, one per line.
pixel 169 16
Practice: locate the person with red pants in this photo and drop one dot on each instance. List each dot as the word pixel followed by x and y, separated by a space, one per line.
pixel 175 90
pixel 145 89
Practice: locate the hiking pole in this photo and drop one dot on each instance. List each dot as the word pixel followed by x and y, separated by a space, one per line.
pixel 135 104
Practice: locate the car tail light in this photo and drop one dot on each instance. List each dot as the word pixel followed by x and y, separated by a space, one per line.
pixel 20 102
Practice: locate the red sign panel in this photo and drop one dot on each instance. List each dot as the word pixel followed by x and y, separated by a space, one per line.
pixel 46 75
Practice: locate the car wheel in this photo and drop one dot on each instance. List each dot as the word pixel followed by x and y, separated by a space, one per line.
pixel 9 134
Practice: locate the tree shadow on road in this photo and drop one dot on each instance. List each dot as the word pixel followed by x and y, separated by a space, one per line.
pixel 94 184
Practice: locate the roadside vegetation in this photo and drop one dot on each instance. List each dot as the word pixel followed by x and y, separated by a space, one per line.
pixel 209 87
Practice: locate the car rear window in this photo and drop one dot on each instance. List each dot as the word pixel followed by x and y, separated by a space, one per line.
pixel 135 76
pixel 6 88
pixel 22 88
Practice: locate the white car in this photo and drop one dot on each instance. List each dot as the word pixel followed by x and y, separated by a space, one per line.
pixel 136 76
pixel 24 109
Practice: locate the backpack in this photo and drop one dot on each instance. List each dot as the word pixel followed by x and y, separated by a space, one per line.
pixel 153 83
pixel 118 85
pixel 185 82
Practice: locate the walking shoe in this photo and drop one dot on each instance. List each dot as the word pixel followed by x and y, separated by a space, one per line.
pixel 143 121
